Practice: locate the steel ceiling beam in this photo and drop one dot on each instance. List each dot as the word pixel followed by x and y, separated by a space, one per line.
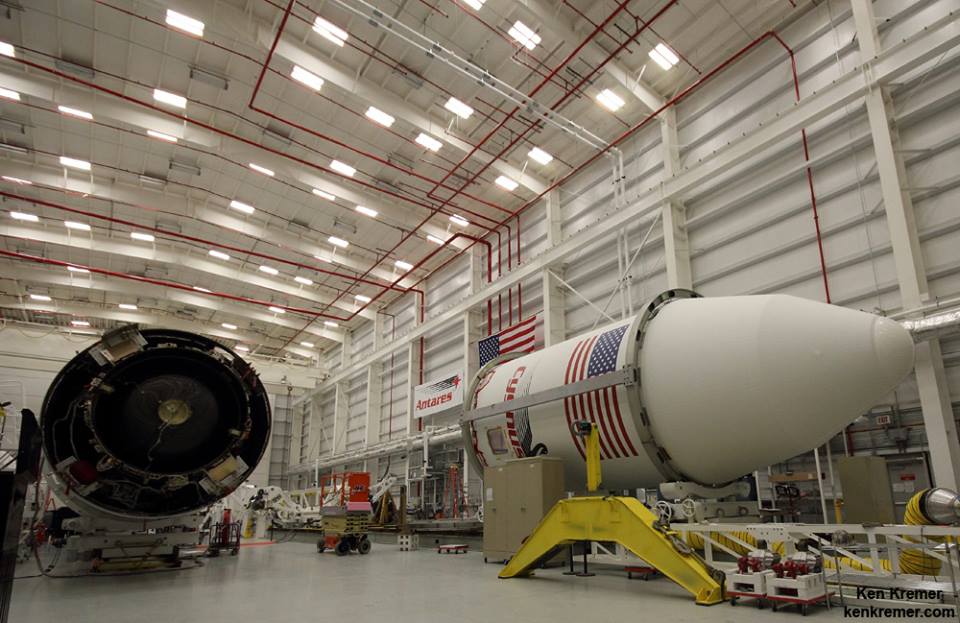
pixel 339 75
pixel 66 279
pixel 154 252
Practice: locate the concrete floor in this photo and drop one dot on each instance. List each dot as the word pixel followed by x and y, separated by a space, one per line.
pixel 291 582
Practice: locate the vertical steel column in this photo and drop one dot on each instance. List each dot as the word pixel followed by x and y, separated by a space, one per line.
pixel 938 417
pixel 341 415
pixel 674 212
pixel 554 309
pixel 374 410
pixel 414 371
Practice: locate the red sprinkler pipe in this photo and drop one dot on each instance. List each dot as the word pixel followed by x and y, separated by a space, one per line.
pixel 422 261
pixel 241 139
pixel 557 104
pixel 383 161
pixel 619 139
pixel 573 54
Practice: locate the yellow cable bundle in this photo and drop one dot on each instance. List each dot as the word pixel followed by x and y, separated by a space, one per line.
pixel 695 540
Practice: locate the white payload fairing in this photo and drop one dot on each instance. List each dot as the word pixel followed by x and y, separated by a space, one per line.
pixel 692 389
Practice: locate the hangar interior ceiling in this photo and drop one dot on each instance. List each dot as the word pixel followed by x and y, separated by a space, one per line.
pixel 244 106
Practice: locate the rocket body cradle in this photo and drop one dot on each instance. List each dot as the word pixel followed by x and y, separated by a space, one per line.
pixel 691 389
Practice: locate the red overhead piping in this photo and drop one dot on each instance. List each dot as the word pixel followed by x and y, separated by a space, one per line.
pixel 556 104
pixel 619 139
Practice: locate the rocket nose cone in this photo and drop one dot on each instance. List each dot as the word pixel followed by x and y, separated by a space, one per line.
pixel 893 348
pixel 732 384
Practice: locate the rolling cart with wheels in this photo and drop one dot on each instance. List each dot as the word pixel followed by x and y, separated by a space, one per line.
pixel 345 517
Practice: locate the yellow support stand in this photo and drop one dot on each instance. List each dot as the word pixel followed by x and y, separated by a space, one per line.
pixel 620 519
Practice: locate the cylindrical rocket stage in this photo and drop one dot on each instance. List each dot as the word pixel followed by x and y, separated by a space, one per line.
pixel 725 386
pixel 151 424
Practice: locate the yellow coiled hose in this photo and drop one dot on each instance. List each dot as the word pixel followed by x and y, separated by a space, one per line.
pixel 912 561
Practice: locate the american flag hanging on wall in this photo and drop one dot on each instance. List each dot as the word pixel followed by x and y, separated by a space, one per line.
pixel 525 336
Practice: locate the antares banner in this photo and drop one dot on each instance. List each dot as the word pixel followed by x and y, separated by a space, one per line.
pixel 438 395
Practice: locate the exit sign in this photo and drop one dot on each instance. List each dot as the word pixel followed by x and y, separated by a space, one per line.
pixel 883 420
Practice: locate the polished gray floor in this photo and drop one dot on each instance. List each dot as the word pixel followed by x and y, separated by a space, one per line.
pixel 291 583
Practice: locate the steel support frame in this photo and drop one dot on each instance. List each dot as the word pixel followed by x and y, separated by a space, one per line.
pixel 938 37
pixel 374 403
pixel 932 385
pixel 341 415
pixel 676 244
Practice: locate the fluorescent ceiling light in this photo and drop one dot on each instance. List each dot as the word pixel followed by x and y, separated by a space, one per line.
pixel 172 99
pixel 141 236
pixel 364 210
pixel 17 180
pixel 456 219
pixel 403 265
pixel 330 323
pixel 277 310
pixel 429 142
pixel 220 255
pixel 184 23
pixel 77 269
pixel 80 323
pixel 199 289
pixel 241 206
pixel 476 5
pixel 323 259
pixel 303 280
pixel 24 216
pixel 270 270
pixel 41 297
pixel 259 169
pixel 610 100
pixel 241 348
pixel 340 242
pixel 434 239
pixel 664 56
pixel 127 306
pixel 330 32
pixel 7 49
pixel 344 169
pixel 540 156
pixel 162 136
pixel 306 344
pixel 379 116
pixel 362 298
pixel 505 182
pixel 458 108
pixel 228 326
pixel 75 112
pixel 524 35
pixel 74 163
pixel 324 194
pixel 76 225
pixel 10 95
pixel 303 76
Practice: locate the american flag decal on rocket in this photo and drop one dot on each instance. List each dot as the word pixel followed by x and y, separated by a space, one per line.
pixel 592 357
